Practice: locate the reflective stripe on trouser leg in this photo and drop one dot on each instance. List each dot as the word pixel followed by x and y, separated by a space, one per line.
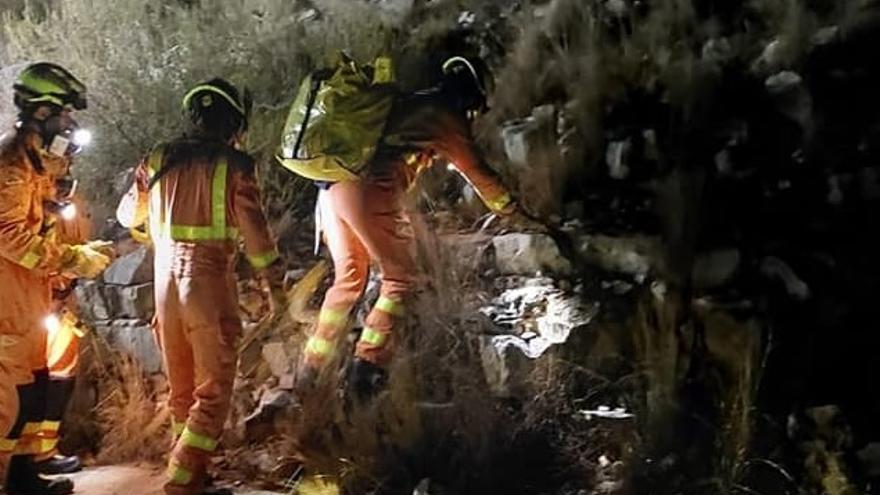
pixel 322 345
pixel 374 344
pixel 188 457
pixel 177 428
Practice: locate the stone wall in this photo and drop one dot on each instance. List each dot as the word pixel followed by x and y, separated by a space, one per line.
pixel 119 307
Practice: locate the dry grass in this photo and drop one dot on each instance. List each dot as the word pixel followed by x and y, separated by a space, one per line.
pixel 134 426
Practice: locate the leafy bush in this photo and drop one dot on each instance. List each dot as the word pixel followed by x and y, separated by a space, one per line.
pixel 138 57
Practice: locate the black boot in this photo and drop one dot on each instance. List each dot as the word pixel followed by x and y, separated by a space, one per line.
pixel 365 379
pixel 23 479
pixel 59 464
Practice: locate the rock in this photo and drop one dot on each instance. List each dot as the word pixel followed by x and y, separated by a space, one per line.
pixel 530 144
pixel 470 251
pixel 716 268
pixel 773 58
pixel 617 157
pixel 536 316
pixel 135 302
pixel 791 96
pixel 92 304
pixel 308 15
pixel 277 358
pixel 527 254
pixel 825 36
pixel 504 367
pixel 718 50
pixel 135 338
pixel 774 268
pixel 563 315
pixel 636 255
pixel 132 269
pixel 260 424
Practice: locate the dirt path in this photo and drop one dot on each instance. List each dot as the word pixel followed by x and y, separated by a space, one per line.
pixel 129 480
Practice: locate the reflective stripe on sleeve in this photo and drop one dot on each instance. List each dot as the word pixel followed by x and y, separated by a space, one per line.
pixel 499 203
pixel 7 446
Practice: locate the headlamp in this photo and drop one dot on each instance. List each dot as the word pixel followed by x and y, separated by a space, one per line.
pixel 68 212
pixel 52 323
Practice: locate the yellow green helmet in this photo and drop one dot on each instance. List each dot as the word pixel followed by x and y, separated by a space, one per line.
pixel 47 83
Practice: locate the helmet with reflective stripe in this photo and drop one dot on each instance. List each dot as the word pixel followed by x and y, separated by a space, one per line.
pixel 215 98
pixel 50 84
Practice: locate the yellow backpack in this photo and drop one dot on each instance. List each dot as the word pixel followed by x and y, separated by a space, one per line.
pixel 337 120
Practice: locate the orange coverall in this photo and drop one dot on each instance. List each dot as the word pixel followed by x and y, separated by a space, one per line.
pixel 62 341
pixel 27 259
pixel 194 214
pixel 366 220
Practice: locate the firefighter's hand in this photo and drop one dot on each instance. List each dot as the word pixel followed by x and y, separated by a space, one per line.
pixel 83 261
pixel 104 247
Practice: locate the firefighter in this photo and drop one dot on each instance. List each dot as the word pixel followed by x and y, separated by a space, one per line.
pixel 196 194
pixel 364 220
pixel 70 223
pixel 32 156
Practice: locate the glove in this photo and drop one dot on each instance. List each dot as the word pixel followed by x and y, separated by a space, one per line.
pixel 104 247
pixel 83 261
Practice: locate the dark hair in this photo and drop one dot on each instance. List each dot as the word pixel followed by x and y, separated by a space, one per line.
pixel 212 113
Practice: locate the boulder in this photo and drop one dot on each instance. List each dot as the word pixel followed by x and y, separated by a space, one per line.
pixel 633 255
pixel 527 254
pixel 132 269
pixel 535 316
pixel 137 302
pixel 92 304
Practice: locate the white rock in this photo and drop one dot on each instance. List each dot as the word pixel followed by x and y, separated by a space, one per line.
pixel 131 269
pixel 526 254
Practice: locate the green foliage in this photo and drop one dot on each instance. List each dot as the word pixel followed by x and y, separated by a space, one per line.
pixel 138 57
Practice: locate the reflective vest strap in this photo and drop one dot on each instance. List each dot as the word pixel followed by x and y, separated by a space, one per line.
pixel 154 164
pixel 218 198
pixel 216 230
